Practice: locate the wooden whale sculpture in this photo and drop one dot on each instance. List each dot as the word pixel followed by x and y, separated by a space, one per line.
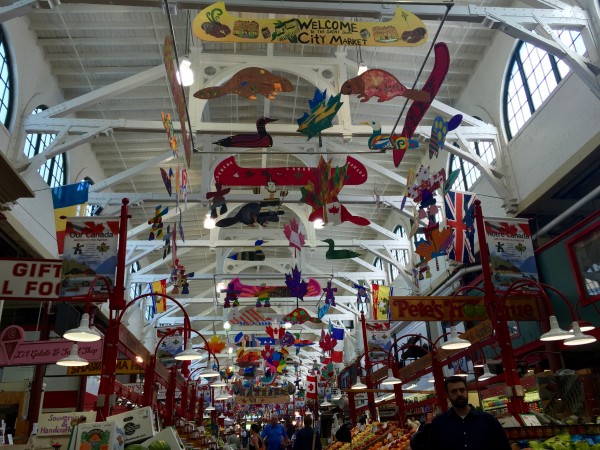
pixel 248 82
pixel 381 84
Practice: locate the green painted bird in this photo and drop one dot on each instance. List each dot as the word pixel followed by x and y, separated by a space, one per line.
pixel 338 254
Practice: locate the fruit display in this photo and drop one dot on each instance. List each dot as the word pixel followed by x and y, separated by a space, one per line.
pixel 567 442
pixel 376 436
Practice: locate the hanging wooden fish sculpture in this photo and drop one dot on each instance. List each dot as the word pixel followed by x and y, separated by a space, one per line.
pixel 249 83
pixel 381 84
pixel 250 140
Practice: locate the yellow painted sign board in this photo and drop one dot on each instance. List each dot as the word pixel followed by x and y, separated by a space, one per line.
pixel 124 366
pixel 215 24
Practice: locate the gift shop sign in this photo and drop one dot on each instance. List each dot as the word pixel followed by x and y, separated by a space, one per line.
pixel 30 279
pixel 458 308
pixel 15 351
pixel 56 424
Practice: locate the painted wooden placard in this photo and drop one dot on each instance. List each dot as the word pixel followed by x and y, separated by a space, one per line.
pixel 215 24
pixel 30 279
pixel 15 351
pixel 229 173
pixel 262 400
pixel 177 91
pixel 57 424
pixel 124 367
pixel 463 308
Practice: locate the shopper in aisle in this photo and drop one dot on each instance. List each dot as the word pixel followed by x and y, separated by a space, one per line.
pixel 307 438
pixel 244 436
pixel 274 434
pixel 233 441
pixel 256 442
pixel 464 427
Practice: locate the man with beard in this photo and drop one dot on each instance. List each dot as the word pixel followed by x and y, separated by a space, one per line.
pixel 463 427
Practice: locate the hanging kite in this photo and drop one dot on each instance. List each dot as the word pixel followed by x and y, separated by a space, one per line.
pixel 251 214
pixel 321 114
pixel 256 255
pixel 322 195
pixel 422 185
pixel 250 140
pixel 230 296
pixel 329 297
pixel 249 83
pixel 294 236
pixel 167 179
pixel 331 253
pixel 436 244
pixel 218 200
pixel 168 124
pixel 439 129
pixel 157 223
pixel 382 84
pixel 297 286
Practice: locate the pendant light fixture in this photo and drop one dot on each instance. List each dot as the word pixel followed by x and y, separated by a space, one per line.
pixel 83 333
pixel 578 337
pixel 189 354
pixel 358 385
pixel 391 379
pixel 73 360
pixel 556 333
pixel 209 222
pixel 486 373
pixel 455 342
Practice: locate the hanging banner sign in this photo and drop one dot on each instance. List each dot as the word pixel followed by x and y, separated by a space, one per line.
pixel 262 400
pixel 215 24
pixel 30 279
pixel 378 335
pixel 459 308
pixel 15 351
pixel 124 366
pixel 511 251
pixel 90 251
pixel 57 424
pixel 180 103
pixel 381 301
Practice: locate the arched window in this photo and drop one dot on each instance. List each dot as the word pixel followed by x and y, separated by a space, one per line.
pixel 532 76
pixel 399 254
pixel 469 173
pixel 377 262
pixel 6 97
pixel 54 170
pixel 92 210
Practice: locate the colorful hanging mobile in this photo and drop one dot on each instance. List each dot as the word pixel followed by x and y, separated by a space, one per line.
pixel 297 286
pixel 294 236
pixel 382 84
pixel 439 129
pixel 435 244
pixel 248 316
pixel 156 230
pixel 450 180
pixel 275 359
pixel 418 109
pixel 249 83
pixel 422 185
pixel 179 278
pixel 256 255
pixel 167 241
pixel 299 316
pixel 329 297
pixel 259 139
pixel 362 294
pixel 230 296
pixel 218 200
pixel 263 297
pixel 331 253
pixel 313 286
pixel 167 179
pixel 215 344
pixel 251 214
pixel 327 341
pixel 321 114
pixel 168 124
pixel 382 142
pixel 322 196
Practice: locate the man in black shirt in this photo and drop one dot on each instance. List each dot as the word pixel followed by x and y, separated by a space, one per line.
pixel 307 438
pixel 463 427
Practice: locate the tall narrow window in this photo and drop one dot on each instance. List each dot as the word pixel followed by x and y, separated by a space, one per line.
pixel 6 88
pixel 54 170
pixel 532 76
pixel 399 254
pixel 469 174
pixel 377 262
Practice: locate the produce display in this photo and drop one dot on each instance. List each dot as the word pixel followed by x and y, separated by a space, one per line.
pixel 376 436
pixel 567 442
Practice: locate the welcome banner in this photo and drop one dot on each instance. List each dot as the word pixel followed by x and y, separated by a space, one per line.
pixel 215 24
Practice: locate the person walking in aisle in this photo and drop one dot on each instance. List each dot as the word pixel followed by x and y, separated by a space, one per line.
pixel 274 434
pixel 463 427
pixel 307 438
pixel 256 442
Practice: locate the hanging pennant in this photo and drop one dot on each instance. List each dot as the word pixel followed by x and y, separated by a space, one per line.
pixel 249 83
pixel 362 296
pixel 321 114
pixel 260 139
pixel 294 235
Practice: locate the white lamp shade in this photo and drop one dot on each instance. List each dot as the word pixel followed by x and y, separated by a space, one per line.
pixel 210 374
pixel 73 360
pixel 189 354
pixel 486 373
pixel 325 403
pixel 218 383
pixel 83 333
pixel 579 338
pixel 455 342
pixel 185 75
pixel 209 222
pixel 391 379
pixel 584 326
pixel 358 385
pixel 556 333
pixel 209 408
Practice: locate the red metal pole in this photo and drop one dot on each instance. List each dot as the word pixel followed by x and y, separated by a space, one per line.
pixel 170 396
pixel 399 398
pixel 438 377
pixel 352 408
pixel 147 398
pixel 117 300
pixel 516 404
pixel 184 400
pixel 369 380
pixel 191 412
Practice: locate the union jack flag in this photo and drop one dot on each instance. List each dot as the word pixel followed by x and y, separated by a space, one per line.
pixel 459 215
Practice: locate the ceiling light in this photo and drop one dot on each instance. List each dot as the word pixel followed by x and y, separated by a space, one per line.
pixel 222 416
pixel 431 380
pixel 460 373
pixel 218 383
pixel 362 68
pixel 584 325
pixel 83 333
pixel 579 338
pixel 326 403
pixel 287 325
pixel 230 350
pixel 189 354
pixel 336 397
pixel 318 224
pixel 209 222
pixel 479 363
pixel 209 408
pixel 391 379
pixel 455 342
pixel 358 385
pixel 210 373
pixel 556 333
pixel 139 359
pixel 226 325
pixel 486 373
pixel 73 360
pixel 187 74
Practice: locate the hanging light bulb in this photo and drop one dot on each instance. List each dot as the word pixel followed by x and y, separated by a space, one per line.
pixel 73 360
pixel 209 222
pixel 189 354
pixel 455 342
pixel 226 325
pixel 318 224
pixel 185 75
pixel 83 333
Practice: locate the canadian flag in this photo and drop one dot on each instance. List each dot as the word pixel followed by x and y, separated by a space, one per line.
pixel 311 390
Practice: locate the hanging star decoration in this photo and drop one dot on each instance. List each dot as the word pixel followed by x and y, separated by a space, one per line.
pixel 168 124
pixel 321 114
pixel 156 230
pixel 231 297
pixel 297 286
pixel 294 235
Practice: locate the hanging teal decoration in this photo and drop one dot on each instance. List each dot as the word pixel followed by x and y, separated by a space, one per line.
pixel 321 114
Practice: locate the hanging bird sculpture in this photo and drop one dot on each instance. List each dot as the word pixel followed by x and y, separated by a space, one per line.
pixel 256 255
pixel 249 140
pixel 338 254
pixel 382 142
